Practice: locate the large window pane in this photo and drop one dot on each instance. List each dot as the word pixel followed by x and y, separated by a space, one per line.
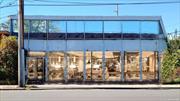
pixel 15 26
pixel 112 27
pixel 97 66
pixel 94 65
pixel 93 30
pixel 26 26
pixel 75 29
pixel 131 70
pixel 75 65
pixel 56 66
pixel 113 66
pixel 57 26
pixel 149 61
pixel 38 26
pixel 93 27
pixel 130 27
pixel 149 27
pixel 35 66
pixel 75 26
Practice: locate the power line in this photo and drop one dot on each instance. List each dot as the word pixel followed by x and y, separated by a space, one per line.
pixel 79 1
pixel 70 2
pixel 96 4
pixel 103 4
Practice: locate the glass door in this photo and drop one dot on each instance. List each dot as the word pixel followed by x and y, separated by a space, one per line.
pixel 35 67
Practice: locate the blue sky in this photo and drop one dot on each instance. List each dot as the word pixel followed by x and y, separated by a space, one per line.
pixel 170 12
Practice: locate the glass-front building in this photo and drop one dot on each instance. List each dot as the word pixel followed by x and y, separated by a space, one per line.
pixel 103 49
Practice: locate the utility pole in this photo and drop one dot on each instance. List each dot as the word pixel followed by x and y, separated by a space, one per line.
pixel 117 10
pixel 21 66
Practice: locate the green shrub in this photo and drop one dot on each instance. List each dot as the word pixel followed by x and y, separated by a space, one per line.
pixel 8 59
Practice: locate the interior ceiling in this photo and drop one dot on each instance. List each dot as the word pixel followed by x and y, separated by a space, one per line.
pixel 147 54
pixel 95 54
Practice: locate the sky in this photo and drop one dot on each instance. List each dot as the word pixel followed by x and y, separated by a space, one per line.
pixel 170 13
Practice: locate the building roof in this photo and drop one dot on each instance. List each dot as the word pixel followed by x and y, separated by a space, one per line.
pixel 36 17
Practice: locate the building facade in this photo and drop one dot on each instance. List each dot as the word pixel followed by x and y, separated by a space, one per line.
pixel 92 48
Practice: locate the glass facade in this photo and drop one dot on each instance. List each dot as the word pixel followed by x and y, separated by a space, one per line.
pixel 112 27
pixel 131 27
pixel 35 66
pixel 90 66
pixel 149 27
pixel 149 65
pixel 26 26
pixel 130 60
pixel 113 66
pixel 57 27
pixel 80 30
pixel 132 70
pixel 56 66
pixel 75 65
pixel 38 26
pixel 94 65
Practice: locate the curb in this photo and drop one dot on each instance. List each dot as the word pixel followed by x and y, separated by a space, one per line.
pixel 59 87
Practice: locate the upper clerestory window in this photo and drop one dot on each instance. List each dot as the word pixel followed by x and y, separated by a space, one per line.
pixel 149 27
pixel 93 27
pixel 75 26
pixel 130 27
pixel 38 26
pixel 112 27
pixel 57 26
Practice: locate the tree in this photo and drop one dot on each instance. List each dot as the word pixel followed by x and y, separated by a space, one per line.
pixel 8 59
pixel 171 60
pixel 4 26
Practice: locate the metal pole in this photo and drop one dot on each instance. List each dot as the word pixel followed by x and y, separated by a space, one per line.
pixel 21 66
pixel 117 10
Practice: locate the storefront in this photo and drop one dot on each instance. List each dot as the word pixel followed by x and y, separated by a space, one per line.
pixel 100 49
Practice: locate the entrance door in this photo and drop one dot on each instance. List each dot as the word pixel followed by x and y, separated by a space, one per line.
pixel 35 67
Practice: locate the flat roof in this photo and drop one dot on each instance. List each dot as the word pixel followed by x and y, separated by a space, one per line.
pixel 36 17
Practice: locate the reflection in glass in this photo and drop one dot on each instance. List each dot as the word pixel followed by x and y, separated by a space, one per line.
pixel 38 26
pixel 75 26
pixel 93 27
pixel 26 26
pixel 56 65
pixel 15 26
pixel 149 27
pixel 112 27
pixel 57 26
pixel 149 60
pixel 131 70
pixel 130 27
pixel 113 66
pixel 35 68
pixel 75 65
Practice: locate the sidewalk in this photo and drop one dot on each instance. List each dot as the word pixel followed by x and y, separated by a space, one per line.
pixel 94 86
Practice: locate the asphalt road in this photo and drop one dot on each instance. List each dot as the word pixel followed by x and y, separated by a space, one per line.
pixel 91 95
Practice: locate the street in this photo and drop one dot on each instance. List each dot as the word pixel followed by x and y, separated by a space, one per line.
pixel 91 95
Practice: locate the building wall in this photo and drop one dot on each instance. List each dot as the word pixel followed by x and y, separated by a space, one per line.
pixel 78 45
